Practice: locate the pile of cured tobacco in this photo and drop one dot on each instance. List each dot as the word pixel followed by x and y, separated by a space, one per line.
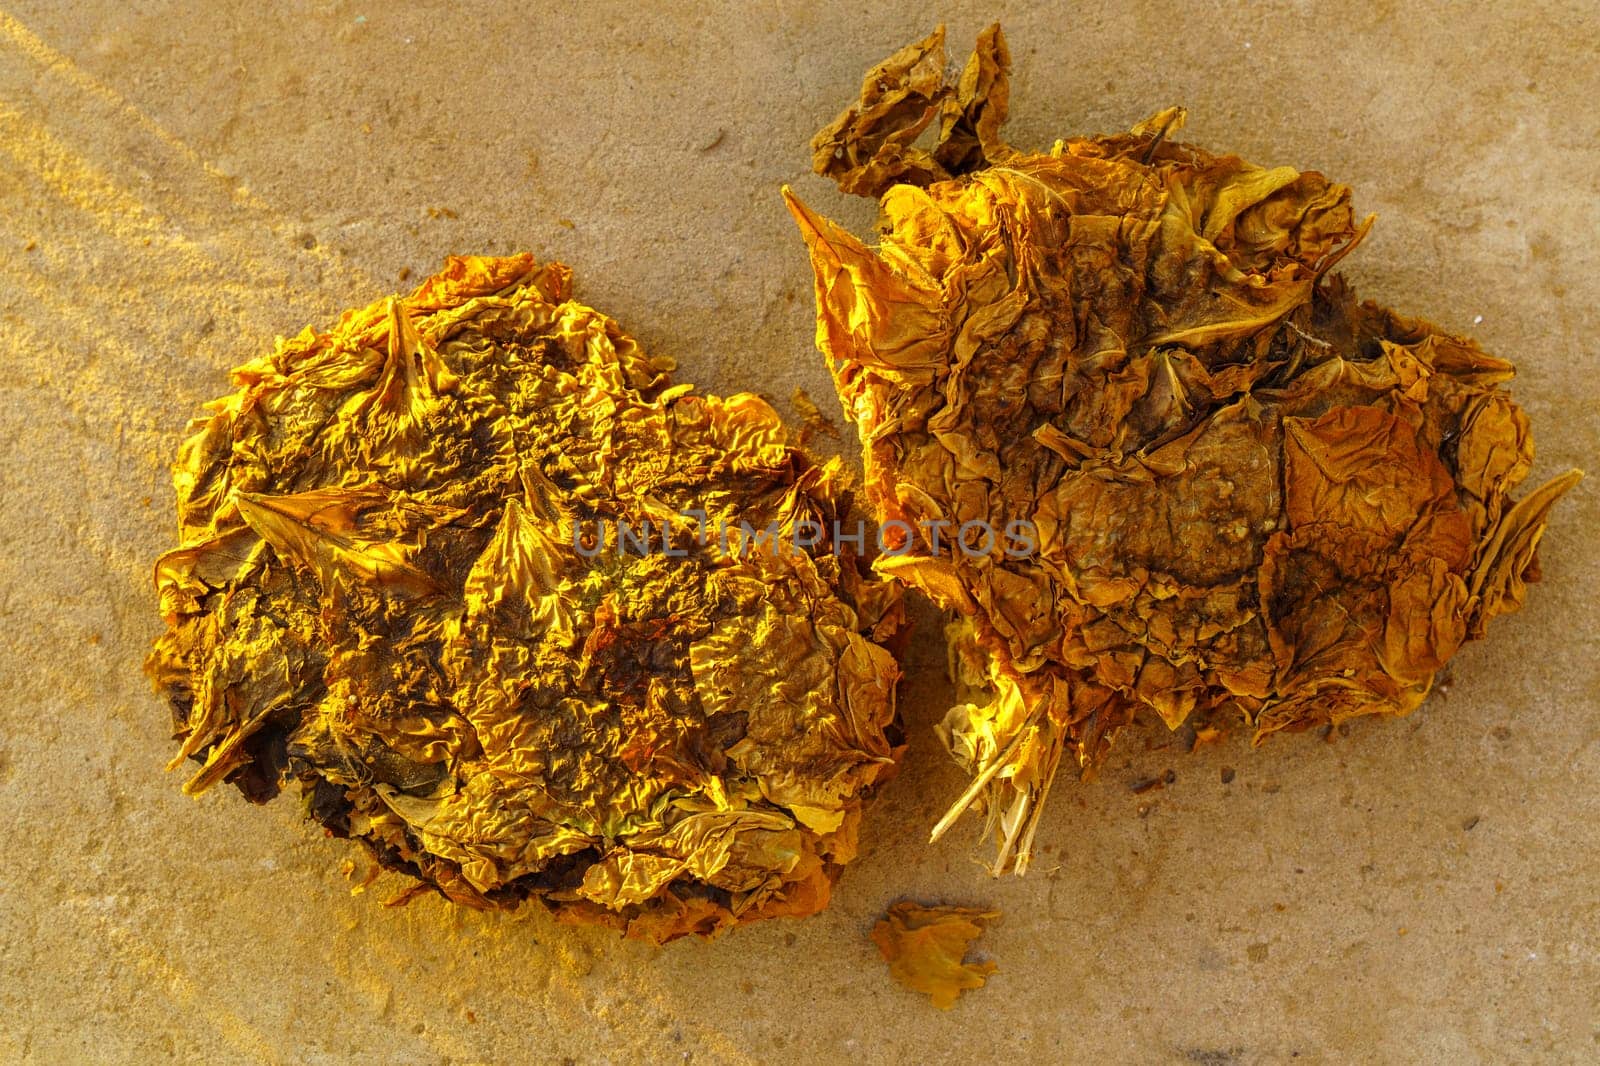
pixel 1251 494
pixel 404 583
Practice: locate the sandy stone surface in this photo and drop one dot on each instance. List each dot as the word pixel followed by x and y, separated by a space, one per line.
pixel 181 182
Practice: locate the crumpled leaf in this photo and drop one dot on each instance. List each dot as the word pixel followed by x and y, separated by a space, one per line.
pixel 925 948
pixel 871 145
pixel 379 594
pixel 1250 494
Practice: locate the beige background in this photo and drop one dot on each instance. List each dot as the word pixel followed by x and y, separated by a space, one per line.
pixel 178 183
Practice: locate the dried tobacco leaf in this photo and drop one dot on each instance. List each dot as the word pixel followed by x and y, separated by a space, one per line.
pixel 390 589
pixel 925 948
pixel 1246 493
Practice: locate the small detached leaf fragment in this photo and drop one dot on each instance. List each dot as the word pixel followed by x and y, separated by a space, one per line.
pixel 926 948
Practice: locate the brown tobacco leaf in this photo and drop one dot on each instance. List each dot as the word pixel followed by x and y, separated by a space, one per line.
pixel 1249 492
pixel 870 146
pixel 379 594
pixel 925 948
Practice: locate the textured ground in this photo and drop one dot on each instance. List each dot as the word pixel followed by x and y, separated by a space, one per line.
pixel 178 184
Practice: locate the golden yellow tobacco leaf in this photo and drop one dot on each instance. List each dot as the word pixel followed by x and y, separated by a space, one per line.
pixel 1242 490
pixel 925 948
pixel 388 590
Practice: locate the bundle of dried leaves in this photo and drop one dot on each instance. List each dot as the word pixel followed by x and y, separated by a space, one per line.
pixel 1251 493
pixel 380 595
